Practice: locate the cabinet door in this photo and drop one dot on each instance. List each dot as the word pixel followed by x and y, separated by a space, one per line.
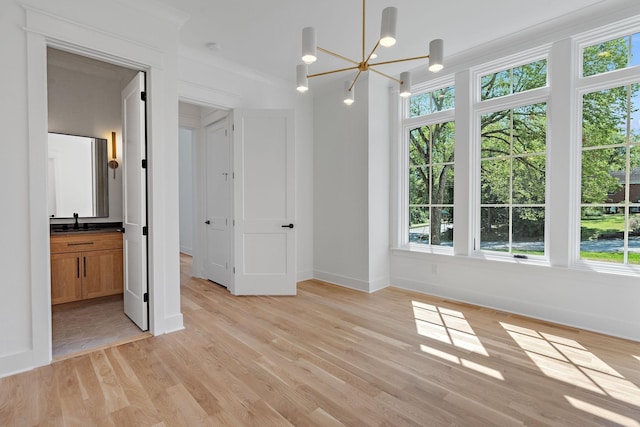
pixel 66 277
pixel 102 273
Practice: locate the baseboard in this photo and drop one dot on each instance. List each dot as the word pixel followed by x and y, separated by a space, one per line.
pixel 16 363
pixel 590 322
pixel 173 324
pixel 301 276
pixel 345 282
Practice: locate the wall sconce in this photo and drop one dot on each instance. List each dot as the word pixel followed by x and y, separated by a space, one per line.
pixel 113 163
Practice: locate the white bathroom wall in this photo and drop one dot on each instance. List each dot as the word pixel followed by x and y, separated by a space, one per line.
pixel 84 99
pixel 185 140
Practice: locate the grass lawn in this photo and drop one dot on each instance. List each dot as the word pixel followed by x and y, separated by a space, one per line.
pixel 617 257
pixel 593 226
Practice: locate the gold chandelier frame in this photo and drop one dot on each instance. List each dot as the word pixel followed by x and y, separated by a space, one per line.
pixel 365 63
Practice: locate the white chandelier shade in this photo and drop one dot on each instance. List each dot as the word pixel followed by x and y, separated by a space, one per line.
pixel 436 53
pixel 349 92
pixel 388 26
pixel 405 84
pixel 302 82
pixel 387 39
pixel 309 52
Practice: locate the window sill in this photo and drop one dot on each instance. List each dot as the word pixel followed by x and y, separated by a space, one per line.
pixel 423 250
pixel 509 258
pixel 606 268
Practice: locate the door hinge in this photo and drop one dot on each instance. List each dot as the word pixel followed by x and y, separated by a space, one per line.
pixel 233 127
pixel 145 297
pixel 145 230
pixel 233 175
pixel 144 163
pixel 234 270
pixel 234 222
pixel 143 96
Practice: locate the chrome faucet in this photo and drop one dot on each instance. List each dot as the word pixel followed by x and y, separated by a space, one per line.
pixel 75 217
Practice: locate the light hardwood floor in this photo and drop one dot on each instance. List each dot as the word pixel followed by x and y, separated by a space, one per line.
pixel 332 356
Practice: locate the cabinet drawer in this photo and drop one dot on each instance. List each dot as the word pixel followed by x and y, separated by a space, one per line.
pixel 86 242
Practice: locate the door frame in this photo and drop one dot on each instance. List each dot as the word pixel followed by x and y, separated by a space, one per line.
pixel 198 126
pixel 164 298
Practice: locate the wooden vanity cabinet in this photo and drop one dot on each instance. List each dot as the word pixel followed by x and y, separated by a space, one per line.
pixel 85 265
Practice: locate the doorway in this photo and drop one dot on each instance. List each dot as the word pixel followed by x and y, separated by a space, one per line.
pixel 205 191
pixel 84 98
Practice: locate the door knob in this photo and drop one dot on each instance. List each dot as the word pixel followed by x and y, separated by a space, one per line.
pixel 207 222
pixel 288 226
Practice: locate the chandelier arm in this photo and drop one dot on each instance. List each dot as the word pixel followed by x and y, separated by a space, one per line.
pixel 363 21
pixel 385 75
pixel 372 52
pixel 337 55
pixel 331 72
pixel 353 83
pixel 400 60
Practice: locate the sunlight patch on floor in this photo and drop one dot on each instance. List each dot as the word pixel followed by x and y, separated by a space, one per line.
pixel 450 327
pixel 447 326
pixel 601 412
pixel 464 362
pixel 567 361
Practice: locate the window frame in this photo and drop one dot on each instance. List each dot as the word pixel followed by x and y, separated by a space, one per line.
pixel 480 107
pixel 407 124
pixel 589 84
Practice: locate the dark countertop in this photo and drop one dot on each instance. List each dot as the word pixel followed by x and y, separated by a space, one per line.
pixel 96 227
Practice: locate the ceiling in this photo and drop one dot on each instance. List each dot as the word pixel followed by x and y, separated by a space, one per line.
pixel 265 35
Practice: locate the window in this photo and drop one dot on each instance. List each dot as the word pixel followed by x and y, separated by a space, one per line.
pixel 432 102
pixel 611 55
pixel 430 140
pixel 513 145
pixel 512 180
pixel 514 80
pixel 431 184
pixel 610 186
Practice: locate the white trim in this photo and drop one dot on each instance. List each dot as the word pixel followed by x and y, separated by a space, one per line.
pixel 344 281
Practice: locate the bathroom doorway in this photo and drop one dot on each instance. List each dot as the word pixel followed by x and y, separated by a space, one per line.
pixel 84 98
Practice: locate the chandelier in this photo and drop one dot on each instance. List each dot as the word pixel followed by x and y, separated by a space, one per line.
pixel 387 39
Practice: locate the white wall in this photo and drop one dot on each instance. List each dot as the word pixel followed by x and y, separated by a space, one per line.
pixel 351 184
pixel 340 162
pixel 143 35
pixel 379 180
pixel 210 81
pixel 185 139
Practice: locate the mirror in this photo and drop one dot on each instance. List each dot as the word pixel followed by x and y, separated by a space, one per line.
pixel 77 176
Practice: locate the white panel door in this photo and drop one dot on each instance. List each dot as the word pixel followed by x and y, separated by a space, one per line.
pixel 134 203
pixel 218 203
pixel 264 205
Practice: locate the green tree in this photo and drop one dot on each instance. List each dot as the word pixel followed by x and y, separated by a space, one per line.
pixel 431 154
pixel 604 122
pixel 513 144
